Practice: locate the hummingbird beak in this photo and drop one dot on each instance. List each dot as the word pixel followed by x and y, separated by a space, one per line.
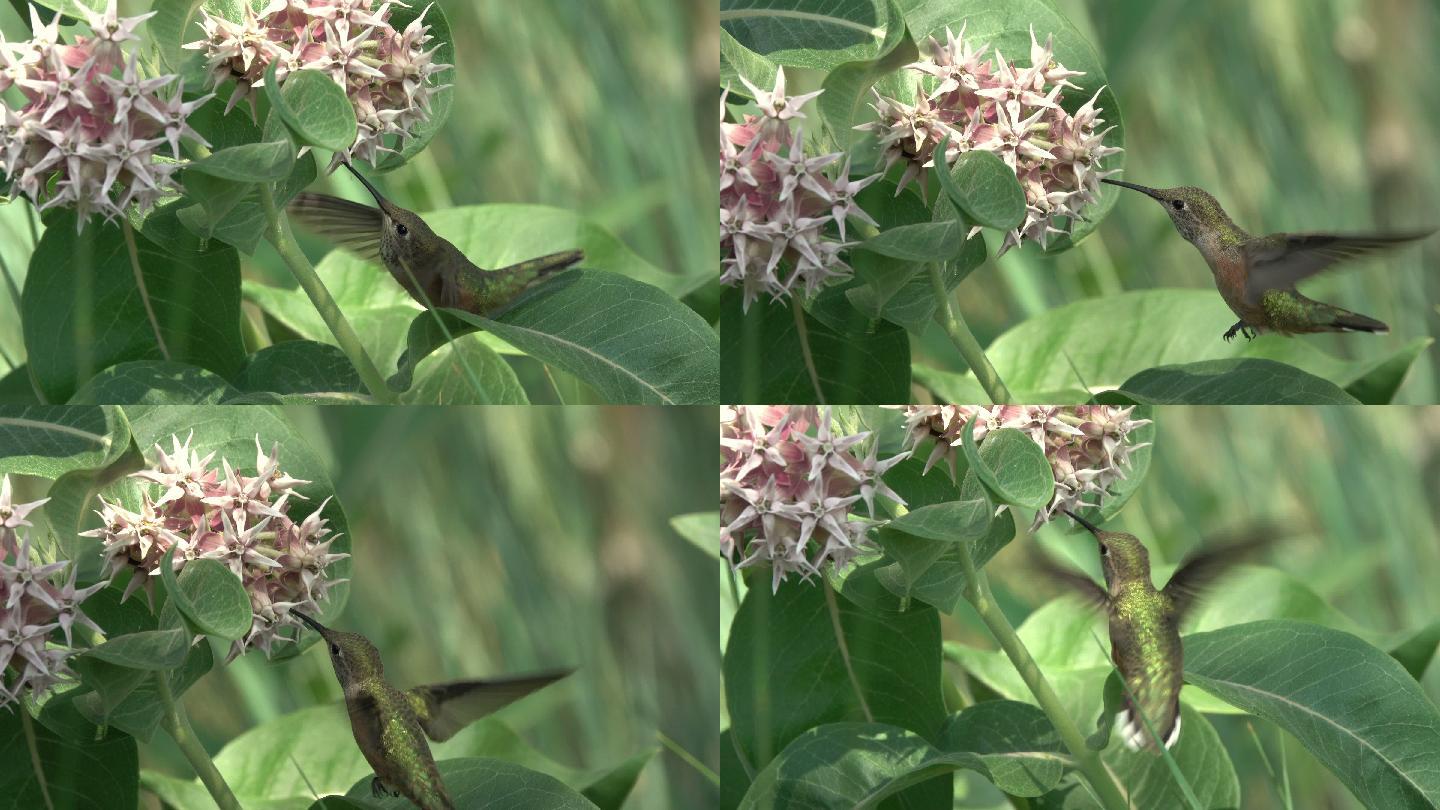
pixel 1146 190
pixel 1095 530
pixel 316 626
pixel 370 187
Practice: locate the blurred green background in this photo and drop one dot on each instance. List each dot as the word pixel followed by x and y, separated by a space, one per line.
pixel 492 540
pixel 1351 492
pixel 1298 115
pixel 595 107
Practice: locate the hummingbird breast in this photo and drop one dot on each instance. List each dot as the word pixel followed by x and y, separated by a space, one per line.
pixel 1145 645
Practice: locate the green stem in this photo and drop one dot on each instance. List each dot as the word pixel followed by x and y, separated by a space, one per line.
pixel 1098 776
pixel 804 335
pixel 845 649
pixel 688 758
pixel 310 282
pixel 965 342
pixel 29 726
pixel 140 283
pixel 178 727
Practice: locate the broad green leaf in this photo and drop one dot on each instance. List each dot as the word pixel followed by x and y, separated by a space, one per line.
pixel 77 773
pixel 1377 384
pixel 809 33
pixel 852 765
pixel 83 311
pixel 452 375
pixel 50 441
pixel 702 529
pixel 314 108
pixel 475 783
pixel 1356 709
pixel 442 47
pixel 70 8
pixel 1016 742
pixel 249 163
pixel 139 713
pixel 1149 781
pixel 1011 466
pixel 209 595
pixel 958 521
pixel 982 186
pixel 145 650
pixel 1416 651
pixel 629 341
pixel 15 388
pixel 223 130
pixel 943 582
pixel 610 791
pixel 170 28
pixel 847 86
pixel 1113 338
pixel 300 367
pixel 1233 381
pixel 953 388
pixel 736 60
pixel 783 672
pixel 148 382
pixel 762 361
pixel 1006 28
pixel 217 198
pixel 108 685
pixel 71 510
pixel 922 242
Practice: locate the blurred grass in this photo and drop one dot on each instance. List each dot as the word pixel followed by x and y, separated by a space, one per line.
pixel 490 540
pixel 1298 115
pixel 598 108
pixel 1354 486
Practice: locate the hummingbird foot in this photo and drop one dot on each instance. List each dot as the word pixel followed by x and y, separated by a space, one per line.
pixel 379 789
pixel 1239 328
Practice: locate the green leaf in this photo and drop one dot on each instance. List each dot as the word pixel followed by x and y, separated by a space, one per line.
pixel 846 86
pixel 445 377
pixel 809 33
pixel 702 529
pixel 70 8
pixel 1011 466
pixel 146 650
pixel 50 441
pixel 922 242
pixel 1377 385
pixel 170 26
pixel 110 684
pixel 1233 381
pixel 248 163
pixel 943 582
pixel 1019 747
pixel 139 713
pixel 83 312
pixel 475 783
pixel 313 107
pixel 1356 709
pixel 1416 652
pixel 300 367
pixel 761 358
pixel 986 189
pixel 948 386
pixel 958 521
pixel 77 773
pixel 210 596
pixel 610 791
pixel 148 382
pixel 1006 28
pixel 852 765
pixel 783 674
pixel 1113 338
pixel 736 60
pixel 442 47
pixel 629 341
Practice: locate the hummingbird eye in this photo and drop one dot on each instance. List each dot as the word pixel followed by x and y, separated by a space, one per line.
pixel 401 229
pixel 1104 550
pixel 1178 205
pixel 334 649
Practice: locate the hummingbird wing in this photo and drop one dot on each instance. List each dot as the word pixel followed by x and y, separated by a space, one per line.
pixel 1092 592
pixel 1201 569
pixel 1280 260
pixel 350 225
pixel 445 708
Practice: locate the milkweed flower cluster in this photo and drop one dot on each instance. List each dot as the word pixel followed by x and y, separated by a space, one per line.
pixel 93 130
pixel 387 73
pixel 788 495
pixel 1007 110
pixel 1089 447
pixel 242 521
pixel 777 206
pixel 33 607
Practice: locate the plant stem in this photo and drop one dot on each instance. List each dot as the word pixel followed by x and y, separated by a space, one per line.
pixel 177 725
pixel 140 283
pixel 845 649
pixel 1098 776
pixel 340 327
pixel 29 726
pixel 688 758
pixel 965 342
pixel 804 335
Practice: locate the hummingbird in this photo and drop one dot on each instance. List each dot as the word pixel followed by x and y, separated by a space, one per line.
pixel 391 725
pixel 1145 625
pixel 1256 275
pixel 431 269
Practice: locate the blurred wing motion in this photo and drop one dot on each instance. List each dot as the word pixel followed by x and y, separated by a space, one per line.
pixel 445 708
pixel 1280 260
pixel 1198 572
pixel 1091 591
pixel 350 225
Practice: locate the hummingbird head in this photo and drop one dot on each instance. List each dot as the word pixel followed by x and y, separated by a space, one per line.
pixel 404 236
pixel 355 659
pixel 1123 557
pixel 1192 209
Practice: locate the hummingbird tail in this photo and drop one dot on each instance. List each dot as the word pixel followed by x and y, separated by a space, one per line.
pixel 545 265
pixel 1167 728
pixel 1346 321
